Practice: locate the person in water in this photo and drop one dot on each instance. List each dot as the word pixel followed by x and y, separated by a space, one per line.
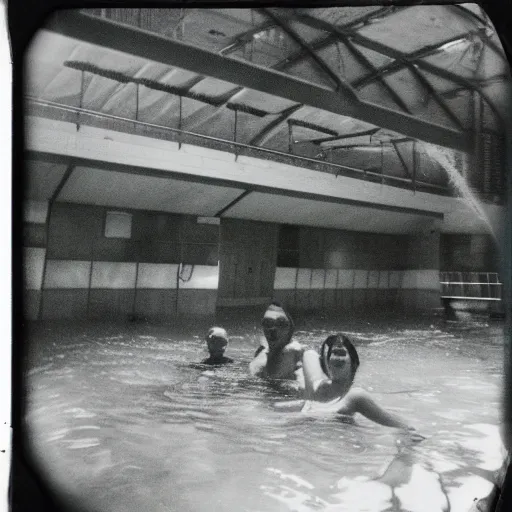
pixel 278 357
pixel 328 384
pixel 217 341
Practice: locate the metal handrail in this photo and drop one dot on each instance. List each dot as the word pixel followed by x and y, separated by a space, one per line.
pixel 78 110
pixel 487 290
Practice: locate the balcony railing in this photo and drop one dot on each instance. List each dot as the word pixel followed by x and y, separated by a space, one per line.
pixel 54 110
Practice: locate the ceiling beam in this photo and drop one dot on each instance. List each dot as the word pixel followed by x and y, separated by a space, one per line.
pixel 232 203
pixel 102 165
pixel 147 45
pixel 397 55
pixel 346 136
pixel 368 65
pixel 411 57
pixel 274 126
pixel 324 67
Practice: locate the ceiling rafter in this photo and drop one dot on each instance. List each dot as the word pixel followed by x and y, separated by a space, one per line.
pixel 340 82
pixel 488 42
pixel 263 135
pixel 363 60
pixel 207 112
pixel 245 38
pixel 412 57
pixel 439 99
pixel 308 49
pixel 397 55
pixel 330 39
pixel 312 126
pixel 118 37
pixel 345 136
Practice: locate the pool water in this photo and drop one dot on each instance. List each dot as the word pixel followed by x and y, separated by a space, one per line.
pixel 119 419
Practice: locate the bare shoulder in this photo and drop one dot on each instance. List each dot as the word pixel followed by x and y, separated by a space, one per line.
pixel 357 394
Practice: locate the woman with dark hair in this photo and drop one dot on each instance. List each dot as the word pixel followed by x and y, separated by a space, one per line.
pixel 328 383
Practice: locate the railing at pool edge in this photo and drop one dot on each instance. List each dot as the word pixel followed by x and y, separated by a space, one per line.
pixel 459 289
pixel 481 289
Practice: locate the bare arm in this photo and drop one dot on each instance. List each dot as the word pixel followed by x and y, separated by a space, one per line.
pixel 360 401
pixel 314 377
pixel 258 365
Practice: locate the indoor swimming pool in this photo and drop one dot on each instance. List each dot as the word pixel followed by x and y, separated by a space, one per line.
pixel 122 420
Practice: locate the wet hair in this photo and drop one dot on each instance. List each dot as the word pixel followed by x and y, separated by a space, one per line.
pixel 212 333
pixel 277 304
pixel 326 350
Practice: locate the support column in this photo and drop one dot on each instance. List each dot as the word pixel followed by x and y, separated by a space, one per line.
pixel 420 287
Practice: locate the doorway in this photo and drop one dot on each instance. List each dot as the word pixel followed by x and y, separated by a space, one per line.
pixel 248 253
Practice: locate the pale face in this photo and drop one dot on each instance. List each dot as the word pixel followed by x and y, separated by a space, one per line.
pixel 217 346
pixel 217 342
pixel 340 364
pixel 276 328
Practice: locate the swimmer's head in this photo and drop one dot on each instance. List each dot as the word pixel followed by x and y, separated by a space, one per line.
pixel 339 358
pixel 277 325
pixel 217 341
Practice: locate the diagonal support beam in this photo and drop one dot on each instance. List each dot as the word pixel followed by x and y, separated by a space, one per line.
pixel 411 57
pixel 67 174
pixel 397 55
pixel 156 48
pixel 232 203
pixel 345 136
pixel 365 62
pixel 439 100
pixel 340 83
pixel 264 135
pixel 402 160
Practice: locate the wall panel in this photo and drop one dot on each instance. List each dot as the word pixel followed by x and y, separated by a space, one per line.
pixel 110 275
pixel 67 274
pixel 156 303
pixel 157 276
pixel 33 267
pixel 65 304
pixel 111 304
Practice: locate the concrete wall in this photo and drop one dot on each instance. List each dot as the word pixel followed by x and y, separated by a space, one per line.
pixel 34 241
pixel 468 253
pixel 167 266
pixel 348 271
pixel 73 270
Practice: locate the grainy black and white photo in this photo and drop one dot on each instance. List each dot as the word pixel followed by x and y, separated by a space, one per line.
pixel 264 263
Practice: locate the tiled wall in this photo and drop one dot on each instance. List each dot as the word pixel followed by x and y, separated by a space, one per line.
pixel 468 253
pixel 353 290
pixel 102 289
pixel 349 271
pixel 73 271
pixel 34 240
pixel 168 266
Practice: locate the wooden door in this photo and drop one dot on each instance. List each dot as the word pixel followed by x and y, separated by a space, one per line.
pixel 248 253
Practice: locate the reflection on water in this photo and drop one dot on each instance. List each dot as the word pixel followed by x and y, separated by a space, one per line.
pixel 119 418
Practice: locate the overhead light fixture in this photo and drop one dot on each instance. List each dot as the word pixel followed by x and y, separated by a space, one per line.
pixel 453 45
